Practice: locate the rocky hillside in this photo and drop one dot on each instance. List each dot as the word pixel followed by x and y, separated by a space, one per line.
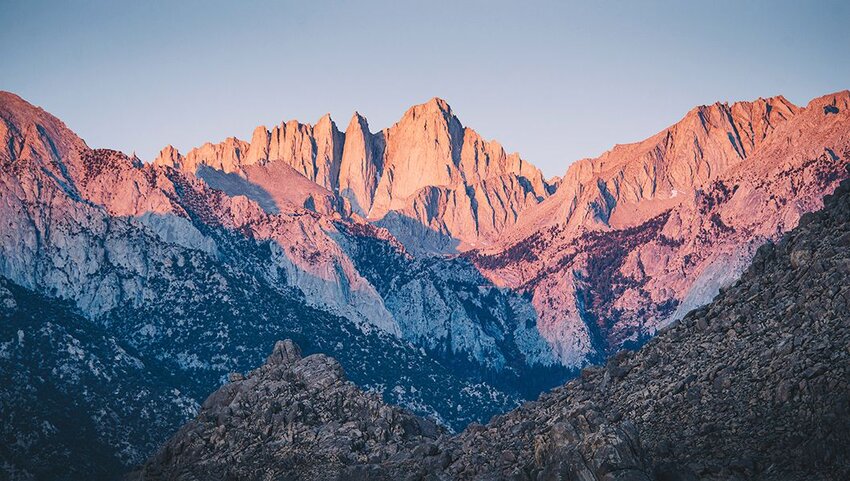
pixel 638 237
pixel 299 418
pixel 752 386
pixel 312 417
pixel 64 380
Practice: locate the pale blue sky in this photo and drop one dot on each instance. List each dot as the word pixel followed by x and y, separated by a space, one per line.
pixel 556 81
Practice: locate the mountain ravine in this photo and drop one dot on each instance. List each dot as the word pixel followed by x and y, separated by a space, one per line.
pixel 446 276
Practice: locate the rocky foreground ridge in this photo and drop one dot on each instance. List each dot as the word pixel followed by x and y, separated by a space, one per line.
pixel 755 385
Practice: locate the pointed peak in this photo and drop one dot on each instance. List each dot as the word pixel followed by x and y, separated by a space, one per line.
pixel 701 109
pixel 435 104
pixel 168 150
pixel 285 353
pixel 135 160
pixel 260 136
pixel 438 104
pixel 169 155
pixel 358 122
pixel 436 107
pixel 325 123
pixel 842 98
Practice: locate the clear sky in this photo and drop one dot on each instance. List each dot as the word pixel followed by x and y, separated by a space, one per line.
pixel 556 81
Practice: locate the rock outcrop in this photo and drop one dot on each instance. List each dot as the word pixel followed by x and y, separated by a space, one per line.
pixel 361 166
pixel 755 385
pixel 298 418
pixel 314 423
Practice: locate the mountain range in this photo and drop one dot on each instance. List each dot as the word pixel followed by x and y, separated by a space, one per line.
pixel 446 275
pixel 753 385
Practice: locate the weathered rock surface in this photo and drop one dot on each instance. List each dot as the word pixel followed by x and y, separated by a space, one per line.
pixel 436 185
pixel 755 385
pixel 648 231
pixel 298 418
pixel 313 421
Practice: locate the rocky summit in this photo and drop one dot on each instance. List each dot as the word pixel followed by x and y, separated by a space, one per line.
pixel 754 385
pixel 310 418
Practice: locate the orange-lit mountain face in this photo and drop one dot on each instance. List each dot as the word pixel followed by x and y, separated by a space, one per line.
pixel 648 231
pixel 443 272
pixel 620 245
pixel 436 185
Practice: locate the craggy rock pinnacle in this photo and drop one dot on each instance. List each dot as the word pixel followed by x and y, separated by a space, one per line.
pixel 285 353
pixel 293 418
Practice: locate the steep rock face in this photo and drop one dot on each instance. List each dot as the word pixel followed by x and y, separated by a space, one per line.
pixel 631 183
pixel 276 187
pixel 361 166
pixel 444 188
pixel 456 218
pixel 314 151
pixel 105 248
pixel 439 187
pixel 753 386
pixel 648 231
pixel 58 222
pixel 446 306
